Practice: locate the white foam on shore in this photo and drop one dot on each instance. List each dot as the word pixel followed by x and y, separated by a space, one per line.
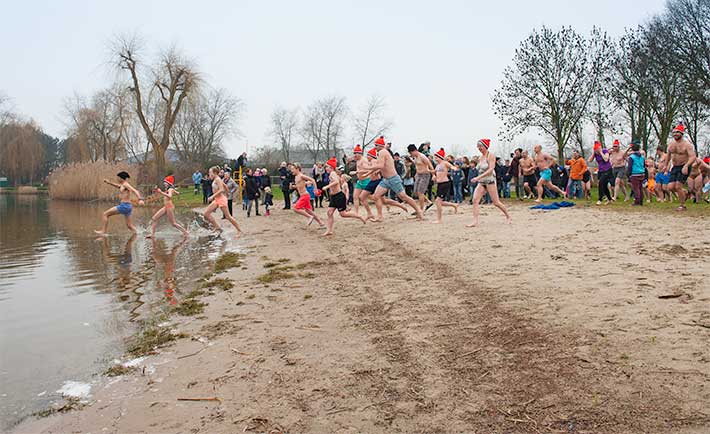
pixel 75 389
pixel 135 362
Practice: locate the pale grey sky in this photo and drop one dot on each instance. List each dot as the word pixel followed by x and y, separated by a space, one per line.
pixel 436 62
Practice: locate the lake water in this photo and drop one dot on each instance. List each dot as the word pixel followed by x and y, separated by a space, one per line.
pixel 68 300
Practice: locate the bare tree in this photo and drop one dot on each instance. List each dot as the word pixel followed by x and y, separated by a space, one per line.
pixel 324 125
pixel 553 78
pixel 21 153
pixel 370 122
pixel 284 125
pixel 172 77
pixel 203 125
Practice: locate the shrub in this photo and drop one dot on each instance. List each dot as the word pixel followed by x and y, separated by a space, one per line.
pixel 83 181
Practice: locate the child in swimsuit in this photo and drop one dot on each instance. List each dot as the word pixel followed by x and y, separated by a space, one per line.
pixel 168 207
pixel 125 206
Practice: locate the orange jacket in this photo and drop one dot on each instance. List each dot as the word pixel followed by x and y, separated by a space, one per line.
pixel 577 168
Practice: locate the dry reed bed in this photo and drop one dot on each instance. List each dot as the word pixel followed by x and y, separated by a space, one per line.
pixel 83 181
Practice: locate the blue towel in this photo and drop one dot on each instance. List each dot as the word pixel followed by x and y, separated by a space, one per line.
pixel 554 205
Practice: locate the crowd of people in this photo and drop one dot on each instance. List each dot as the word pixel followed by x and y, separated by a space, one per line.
pixel 423 179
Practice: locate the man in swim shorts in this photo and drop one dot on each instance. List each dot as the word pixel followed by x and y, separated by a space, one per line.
pixel 618 160
pixel 124 207
pixel 390 178
pixel 681 155
pixel 544 162
pixel 527 167
pixel 303 204
pixel 338 200
pixel 423 175
pixel 361 171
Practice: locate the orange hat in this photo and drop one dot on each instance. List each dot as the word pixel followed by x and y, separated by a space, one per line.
pixel 486 143
pixel 680 128
pixel 440 153
pixel 372 153
pixel 616 142
pixel 597 145
pixel 357 150
pixel 170 179
pixel 380 141
pixel 333 163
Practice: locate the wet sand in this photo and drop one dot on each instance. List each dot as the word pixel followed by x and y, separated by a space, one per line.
pixel 586 321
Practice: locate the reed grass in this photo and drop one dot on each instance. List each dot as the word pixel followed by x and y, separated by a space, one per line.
pixel 83 181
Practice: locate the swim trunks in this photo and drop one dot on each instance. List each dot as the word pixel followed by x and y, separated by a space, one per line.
pixel 442 189
pixel 393 183
pixel 220 200
pixel 361 184
pixel 677 175
pixel 372 185
pixel 546 174
pixel 662 178
pixel 530 179
pixel 421 182
pixel 586 177
pixel 619 172
pixel 338 201
pixel 169 205
pixel 303 202
pixel 125 208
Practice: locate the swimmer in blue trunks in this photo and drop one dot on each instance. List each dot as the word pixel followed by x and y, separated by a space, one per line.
pixel 124 207
pixel 544 161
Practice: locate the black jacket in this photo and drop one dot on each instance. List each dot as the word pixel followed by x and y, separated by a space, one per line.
pixel 252 186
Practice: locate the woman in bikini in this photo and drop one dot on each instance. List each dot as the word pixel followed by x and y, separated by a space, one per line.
pixel 443 184
pixel 219 200
pixel 125 206
pixel 695 178
pixel 168 207
pixel 486 180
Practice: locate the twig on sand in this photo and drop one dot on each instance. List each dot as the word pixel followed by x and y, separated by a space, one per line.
pixel 468 354
pixel 214 398
pixel 696 324
pixel 192 354
pixel 665 296
pixel 340 410
pixel 446 324
pixel 241 352
pixel 312 329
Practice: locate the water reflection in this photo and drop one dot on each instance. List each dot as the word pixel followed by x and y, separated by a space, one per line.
pixel 68 300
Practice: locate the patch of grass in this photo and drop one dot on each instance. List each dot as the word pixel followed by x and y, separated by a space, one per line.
pixel 150 338
pixel 118 370
pixel 283 260
pixel 190 307
pixel 207 276
pixel 224 284
pixel 69 405
pixel 311 264
pixel 277 273
pixel 227 260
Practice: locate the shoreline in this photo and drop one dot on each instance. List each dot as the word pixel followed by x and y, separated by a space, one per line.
pixel 303 346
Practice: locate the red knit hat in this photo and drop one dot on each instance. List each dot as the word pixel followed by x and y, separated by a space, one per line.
pixel 597 145
pixel 372 153
pixel 380 141
pixel 680 128
pixel 357 150
pixel 170 179
pixel 333 163
pixel 616 142
pixel 440 153
pixel 486 143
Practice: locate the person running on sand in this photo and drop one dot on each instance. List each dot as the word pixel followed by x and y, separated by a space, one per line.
pixel 651 181
pixel 168 207
pixel 361 171
pixel 303 204
pixel 486 180
pixel 422 176
pixel 618 169
pixel 375 178
pixel 601 156
pixel 443 185
pixel 338 199
pixel 527 167
pixel 544 162
pixel 125 206
pixel 681 155
pixel 662 176
pixel 219 200
pixel 391 180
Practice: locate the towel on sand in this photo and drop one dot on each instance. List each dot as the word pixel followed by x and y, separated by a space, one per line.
pixel 554 205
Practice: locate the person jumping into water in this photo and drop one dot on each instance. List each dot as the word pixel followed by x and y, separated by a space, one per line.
pixel 125 206
pixel 219 200
pixel 168 207
pixel 443 184
pixel 486 180
pixel 303 204
pixel 338 199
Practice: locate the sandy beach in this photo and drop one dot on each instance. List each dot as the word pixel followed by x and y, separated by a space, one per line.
pixel 587 320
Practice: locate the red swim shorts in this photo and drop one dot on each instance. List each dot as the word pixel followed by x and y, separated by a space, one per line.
pixel 303 202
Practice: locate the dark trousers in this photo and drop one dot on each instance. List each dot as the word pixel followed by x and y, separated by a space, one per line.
pixel 637 187
pixel 604 180
pixel 287 196
pixel 197 189
pixel 229 206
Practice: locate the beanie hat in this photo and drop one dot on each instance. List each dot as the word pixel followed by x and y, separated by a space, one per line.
pixel 333 163
pixel 170 180
pixel 380 141
pixel 597 145
pixel 411 148
pixel 440 153
pixel 616 142
pixel 372 153
pixel 486 143
pixel 357 150
pixel 680 128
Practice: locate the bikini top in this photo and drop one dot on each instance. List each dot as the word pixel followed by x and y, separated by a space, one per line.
pixel 441 168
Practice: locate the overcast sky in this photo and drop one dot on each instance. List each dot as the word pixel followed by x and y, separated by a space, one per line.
pixel 436 62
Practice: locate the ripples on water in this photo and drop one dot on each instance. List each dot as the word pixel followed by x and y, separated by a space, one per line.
pixel 68 300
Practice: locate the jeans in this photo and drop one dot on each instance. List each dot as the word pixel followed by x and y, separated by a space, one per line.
pixel 251 202
pixel 604 180
pixel 458 193
pixel 197 189
pixel 575 188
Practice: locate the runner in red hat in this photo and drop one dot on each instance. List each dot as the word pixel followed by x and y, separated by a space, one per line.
pixel 338 200
pixel 681 155
pixel 375 176
pixel 486 180
pixel 303 204
pixel 361 171
pixel 443 184
pixel 168 207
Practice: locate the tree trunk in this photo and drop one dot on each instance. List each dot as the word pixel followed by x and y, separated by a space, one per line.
pixel 159 155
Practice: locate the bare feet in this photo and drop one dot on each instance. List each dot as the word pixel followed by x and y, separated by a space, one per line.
pixel 102 233
pixel 363 219
pixel 538 200
pixel 472 225
pixel 456 209
pixel 509 220
pixel 327 234
pixel 436 222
